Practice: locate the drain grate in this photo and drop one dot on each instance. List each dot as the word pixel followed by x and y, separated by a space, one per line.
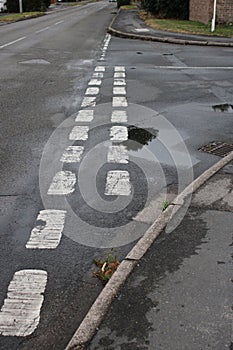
pixel 220 149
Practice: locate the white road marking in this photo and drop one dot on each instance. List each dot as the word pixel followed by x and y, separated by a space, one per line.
pixel 119 91
pixel 119 69
pixel 119 75
pixel 63 183
pixel 72 154
pixel 118 133
pixel 100 69
pixel 119 117
pixel 88 102
pixel 12 42
pixel 92 91
pixel 119 82
pixel 79 133
pixel 118 183
pixel 85 115
pixel 97 75
pixel 142 30
pixel 42 30
pixel 47 235
pixel 96 82
pixel 118 154
pixel 119 102
pixel 55 24
pixel 20 313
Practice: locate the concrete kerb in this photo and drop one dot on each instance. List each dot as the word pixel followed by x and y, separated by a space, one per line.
pixel 97 312
pixel 165 39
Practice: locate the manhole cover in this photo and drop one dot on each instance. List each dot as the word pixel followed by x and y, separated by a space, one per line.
pixel 220 149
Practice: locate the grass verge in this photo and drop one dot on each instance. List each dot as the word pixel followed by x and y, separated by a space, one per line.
pixel 14 17
pixel 188 27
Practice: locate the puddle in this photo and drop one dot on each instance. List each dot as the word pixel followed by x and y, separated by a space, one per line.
pixel 224 108
pixel 139 137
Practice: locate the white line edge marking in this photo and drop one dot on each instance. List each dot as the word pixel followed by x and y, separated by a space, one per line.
pixel 79 133
pixel 20 313
pixel 62 183
pixel 72 154
pixel 118 183
pixel 47 235
pixel 185 67
pixel 119 102
pixel 13 42
pixel 118 133
pixel 118 154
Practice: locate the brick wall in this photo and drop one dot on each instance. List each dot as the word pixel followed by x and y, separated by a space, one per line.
pixel 202 10
pixel 224 11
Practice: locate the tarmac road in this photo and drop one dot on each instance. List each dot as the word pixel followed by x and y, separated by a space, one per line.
pixel 164 95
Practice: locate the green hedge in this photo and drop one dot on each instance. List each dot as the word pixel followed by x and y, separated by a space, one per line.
pixel 28 5
pixel 177 9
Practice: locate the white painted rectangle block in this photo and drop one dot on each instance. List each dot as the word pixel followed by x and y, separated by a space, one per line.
pixel 119 82
pixel 119 102
pixel 20 313
pixel 63 183
pixel 85 115
pixel 97 75
pixel 119 91
pixel 118 133
pixel 79 133
pixel 88 102
pixel 119 69
pixel 118 183
pixel 48 232
pixel 92 91
pixel 72 154
pixel 119 117
pixel 118 154
pixel 95 82
pixel 119 75
pixel 100 69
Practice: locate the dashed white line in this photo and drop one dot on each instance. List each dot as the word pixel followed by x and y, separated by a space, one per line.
pixel 119 75
pixel 119 117
pixel 48 232
pixel 72 154
pixel 118 133
pixel 118 154
pixel 118 183
pixel 12 42
pixel 92 91
pixel 88 102
pixel 119 82
pixel 119 91
pixel 63 183
pixel 55 24
pixel 100 69
pixel 20 314
pixel 119 102
pixel 96 82
pixel 97 75
pixel 79 133
pixel 42 30
pixel 119 69
pixel 85 115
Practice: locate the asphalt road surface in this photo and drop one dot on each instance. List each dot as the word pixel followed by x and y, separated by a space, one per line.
pixel 96 132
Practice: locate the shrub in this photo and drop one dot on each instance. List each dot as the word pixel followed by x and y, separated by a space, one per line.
pixel 177 9
pixel 28 5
